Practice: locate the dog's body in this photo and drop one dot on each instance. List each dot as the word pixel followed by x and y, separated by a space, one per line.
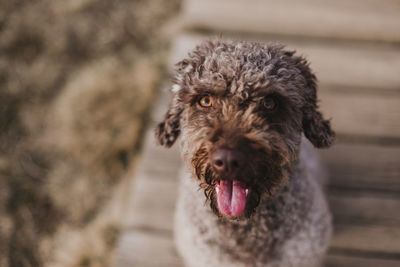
pixel 242 109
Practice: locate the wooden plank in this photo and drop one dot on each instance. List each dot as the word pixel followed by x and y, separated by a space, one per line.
pixel 147 249
pixel 160 162
pixel 153 204
pixel 359 20
pixel 364 209
pixel 354 261
pixel 367 67
pixel 363 166
pixel 362 114
pixel 157 161
pixel 367 238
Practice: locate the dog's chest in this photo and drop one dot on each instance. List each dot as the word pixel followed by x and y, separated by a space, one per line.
pixel 258 239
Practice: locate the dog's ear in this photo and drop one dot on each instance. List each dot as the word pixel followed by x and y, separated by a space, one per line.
pixel 168 130
pixel 315 127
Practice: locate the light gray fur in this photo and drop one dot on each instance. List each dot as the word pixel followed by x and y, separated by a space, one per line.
pixel 301 237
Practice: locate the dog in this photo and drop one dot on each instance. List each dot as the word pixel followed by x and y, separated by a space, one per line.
pixel 252 194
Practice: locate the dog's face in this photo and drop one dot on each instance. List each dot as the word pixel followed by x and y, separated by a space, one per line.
pixel 241 109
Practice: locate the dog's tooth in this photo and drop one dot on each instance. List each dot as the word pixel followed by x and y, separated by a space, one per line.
pixel 217 189
pixel 247 192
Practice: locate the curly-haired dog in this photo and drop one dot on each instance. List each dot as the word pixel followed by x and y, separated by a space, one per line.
pixel 242 109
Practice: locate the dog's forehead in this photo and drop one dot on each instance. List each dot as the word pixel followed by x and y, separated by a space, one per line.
pixel 242 68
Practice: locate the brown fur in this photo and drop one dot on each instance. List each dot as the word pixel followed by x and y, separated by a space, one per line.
pixel 238 77
pixel 286 221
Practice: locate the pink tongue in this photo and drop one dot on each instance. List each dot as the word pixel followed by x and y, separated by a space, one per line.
pixel 231 197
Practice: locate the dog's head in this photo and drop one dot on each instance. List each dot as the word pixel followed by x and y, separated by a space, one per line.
pixel 241 109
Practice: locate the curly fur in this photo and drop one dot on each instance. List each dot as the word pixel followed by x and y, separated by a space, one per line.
pixel 286 221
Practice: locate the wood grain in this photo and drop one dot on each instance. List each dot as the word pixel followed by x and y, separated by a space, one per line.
pixel 147 249
pixel 363 166
pixel 355 208
pixel 362 114
pixel 334 260
pixel 153 204
pixel 367 238
pixel 360 20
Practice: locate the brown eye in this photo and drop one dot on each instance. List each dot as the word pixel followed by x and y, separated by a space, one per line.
pixel 269 103
pixel 205 102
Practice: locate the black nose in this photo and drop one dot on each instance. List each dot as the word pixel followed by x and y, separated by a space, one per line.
pixel 226 160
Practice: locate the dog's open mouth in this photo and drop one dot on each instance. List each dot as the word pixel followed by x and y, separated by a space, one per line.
pixel 231 197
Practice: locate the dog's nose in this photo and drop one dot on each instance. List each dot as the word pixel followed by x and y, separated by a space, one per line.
pixel 226 160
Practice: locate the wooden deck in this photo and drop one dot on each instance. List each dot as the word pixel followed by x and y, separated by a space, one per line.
pixel 354 47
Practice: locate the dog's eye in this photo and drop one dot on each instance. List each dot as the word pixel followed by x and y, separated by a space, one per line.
pixel 269 103
pixel 205 101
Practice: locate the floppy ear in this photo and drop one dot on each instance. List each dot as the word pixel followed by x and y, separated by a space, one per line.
pixel 168 130
pixel 315 127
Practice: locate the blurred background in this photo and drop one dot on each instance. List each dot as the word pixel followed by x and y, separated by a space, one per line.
pixel 77 79
pixel 83 82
